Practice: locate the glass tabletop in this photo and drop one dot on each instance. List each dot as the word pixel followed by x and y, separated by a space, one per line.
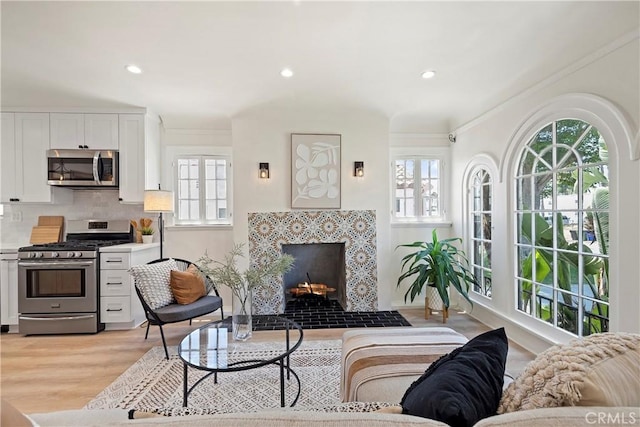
pixel 212 347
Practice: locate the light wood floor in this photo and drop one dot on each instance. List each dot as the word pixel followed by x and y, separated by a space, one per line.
pixel 48 373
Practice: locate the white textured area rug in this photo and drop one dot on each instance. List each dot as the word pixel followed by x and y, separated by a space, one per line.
pixel 155 384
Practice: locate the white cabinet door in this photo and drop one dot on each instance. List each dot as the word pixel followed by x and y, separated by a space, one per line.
pixel 9 291
pixel 115 283
pixel 139 156
pixel 94 131
pixel 32 143
pixel 115 289
pixel 67 130
pixel 101 131
pixel 132 158
pixel 116 310
pixel 152 153
pixel 7 158
pixel 23 160
pixel 115 261
pixel 120 307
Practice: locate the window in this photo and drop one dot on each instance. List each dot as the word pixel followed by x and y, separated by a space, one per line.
pixel 562 236
pixel 480 236
pixel 202 190
pixel 417 186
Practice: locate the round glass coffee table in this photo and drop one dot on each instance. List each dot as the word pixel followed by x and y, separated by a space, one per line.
pixel 211 348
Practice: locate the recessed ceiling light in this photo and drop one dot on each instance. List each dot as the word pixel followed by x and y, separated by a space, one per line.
pixel 132 68
pixel 286 72
pixel 429 74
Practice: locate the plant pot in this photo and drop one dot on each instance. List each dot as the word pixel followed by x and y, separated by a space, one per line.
pixel 147 238
pixel 433 302
pixel 242 323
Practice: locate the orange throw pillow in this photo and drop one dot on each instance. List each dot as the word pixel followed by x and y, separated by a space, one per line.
pixel 187 286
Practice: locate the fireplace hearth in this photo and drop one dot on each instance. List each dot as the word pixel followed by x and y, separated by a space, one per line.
pixel 327 314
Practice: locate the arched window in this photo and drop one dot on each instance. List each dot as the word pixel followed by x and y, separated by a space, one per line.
pixel 480 191
pixel 562 235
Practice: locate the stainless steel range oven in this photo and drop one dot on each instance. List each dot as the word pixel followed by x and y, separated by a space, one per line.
pixel 58 283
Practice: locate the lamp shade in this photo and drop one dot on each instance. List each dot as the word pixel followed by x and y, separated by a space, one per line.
pixel 158 201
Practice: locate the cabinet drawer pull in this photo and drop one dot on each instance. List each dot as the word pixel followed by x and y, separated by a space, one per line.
pixel 110 309
pixel 114 283
pixel 13 199
pixel 114 260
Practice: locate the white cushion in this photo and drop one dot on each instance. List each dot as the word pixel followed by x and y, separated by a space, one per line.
pixel 153 280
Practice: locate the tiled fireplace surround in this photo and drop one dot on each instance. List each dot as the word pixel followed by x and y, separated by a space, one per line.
pixel 268 231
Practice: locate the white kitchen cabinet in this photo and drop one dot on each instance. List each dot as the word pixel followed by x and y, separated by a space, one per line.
pixel 9 289
pixel 24 160
pixel 120 307
pixel 93 131
pixel 101 131
pixel 7 158
pixel 67 130
pixel 139 156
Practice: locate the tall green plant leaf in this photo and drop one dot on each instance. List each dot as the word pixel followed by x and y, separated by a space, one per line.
pixel 438 263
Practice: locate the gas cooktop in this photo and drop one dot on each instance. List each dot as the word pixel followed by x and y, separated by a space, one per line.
pixel 75 245
pixel 84 237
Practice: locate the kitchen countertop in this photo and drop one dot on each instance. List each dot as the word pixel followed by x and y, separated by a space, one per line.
pixel 130 247
pixel 10 248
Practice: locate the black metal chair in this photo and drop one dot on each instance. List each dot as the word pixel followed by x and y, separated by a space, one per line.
pixel 175 312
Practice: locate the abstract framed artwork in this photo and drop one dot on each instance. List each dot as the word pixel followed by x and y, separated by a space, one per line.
pixel 315 171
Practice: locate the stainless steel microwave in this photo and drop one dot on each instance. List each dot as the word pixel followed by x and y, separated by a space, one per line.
pixel 83 168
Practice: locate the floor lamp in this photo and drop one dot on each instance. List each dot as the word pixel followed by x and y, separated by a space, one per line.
pixel 159 201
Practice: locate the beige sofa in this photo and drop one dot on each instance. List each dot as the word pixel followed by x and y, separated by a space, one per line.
pixel 378 364
pixel 548 417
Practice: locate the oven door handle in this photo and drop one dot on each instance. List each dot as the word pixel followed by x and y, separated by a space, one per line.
pixel 71 264
pixel 86 316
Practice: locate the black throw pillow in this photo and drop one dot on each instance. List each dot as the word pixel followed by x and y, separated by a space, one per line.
pixel 464 386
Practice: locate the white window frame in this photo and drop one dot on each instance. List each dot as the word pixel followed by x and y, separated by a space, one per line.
pixel 473 262
pixel 619 134
pixel 202 188
pixel 555 168
pixel 417 157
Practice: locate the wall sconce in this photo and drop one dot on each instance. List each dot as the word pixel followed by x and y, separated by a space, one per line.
pixel 358 169
pixel 264 171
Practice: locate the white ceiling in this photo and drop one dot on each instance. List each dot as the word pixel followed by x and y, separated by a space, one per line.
pixel 207 60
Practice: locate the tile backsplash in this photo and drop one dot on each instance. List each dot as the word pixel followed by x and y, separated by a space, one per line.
pixel 18 219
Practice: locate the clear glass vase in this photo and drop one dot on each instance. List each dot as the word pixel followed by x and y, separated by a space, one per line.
pixel 241 319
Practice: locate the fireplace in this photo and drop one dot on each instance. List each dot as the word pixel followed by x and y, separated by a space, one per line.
pixel 316 264
pixel 354 230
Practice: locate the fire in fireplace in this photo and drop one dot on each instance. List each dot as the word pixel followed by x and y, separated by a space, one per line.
pixel 316 264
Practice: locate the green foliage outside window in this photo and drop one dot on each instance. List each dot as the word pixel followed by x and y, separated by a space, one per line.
pixel 563 251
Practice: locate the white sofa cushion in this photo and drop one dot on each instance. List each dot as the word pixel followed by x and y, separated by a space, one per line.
pixel 154 280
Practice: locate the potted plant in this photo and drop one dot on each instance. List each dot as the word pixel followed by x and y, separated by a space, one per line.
pixel 437 264
pixel 143 233
pixel 147 234
pixel 242 283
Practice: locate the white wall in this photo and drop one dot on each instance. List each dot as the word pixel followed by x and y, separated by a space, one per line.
pixel 613 76
pixel 191 242
pixel 264 135
pixel 419 144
